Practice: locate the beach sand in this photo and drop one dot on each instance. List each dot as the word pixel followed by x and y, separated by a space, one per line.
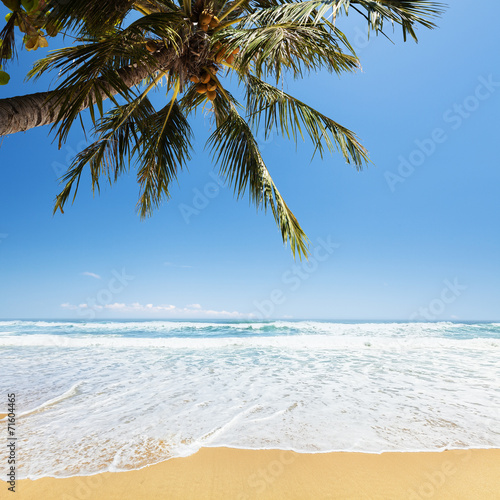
pixel 224 473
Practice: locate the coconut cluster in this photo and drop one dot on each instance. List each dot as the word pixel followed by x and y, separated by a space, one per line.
pixel 199 60
pixel 206 82
pixel 208 20
pixel 31 18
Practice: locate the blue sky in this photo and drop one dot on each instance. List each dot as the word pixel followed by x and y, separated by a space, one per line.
pixel 413 236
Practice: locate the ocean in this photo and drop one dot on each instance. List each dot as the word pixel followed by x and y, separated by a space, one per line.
pixel 120 395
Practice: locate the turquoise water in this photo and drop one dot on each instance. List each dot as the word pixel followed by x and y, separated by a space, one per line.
pixel 120 395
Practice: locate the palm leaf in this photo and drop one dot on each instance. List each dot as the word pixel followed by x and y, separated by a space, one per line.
pixel 235 149
pixel 406 13
pixel 111 154
pixel 88 16
pixel 163 149
pixel 286 114
pixel 274 49
pixel 96 72
pixel 7 37
pixel 158 142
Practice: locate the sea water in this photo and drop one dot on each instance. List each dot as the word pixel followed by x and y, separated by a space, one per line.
pixel 111 396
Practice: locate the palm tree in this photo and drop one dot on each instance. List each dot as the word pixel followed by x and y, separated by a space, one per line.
pixel 190 48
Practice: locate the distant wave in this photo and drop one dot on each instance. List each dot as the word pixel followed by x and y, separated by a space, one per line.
pixel 256 325
pixel 291 341
pixel 265 326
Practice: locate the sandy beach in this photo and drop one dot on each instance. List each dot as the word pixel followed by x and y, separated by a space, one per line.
pixel 224 473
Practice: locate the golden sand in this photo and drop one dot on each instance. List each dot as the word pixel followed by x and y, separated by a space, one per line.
pixel 224 473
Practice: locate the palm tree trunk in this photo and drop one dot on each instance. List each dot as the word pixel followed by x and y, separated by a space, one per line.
pixel 21 113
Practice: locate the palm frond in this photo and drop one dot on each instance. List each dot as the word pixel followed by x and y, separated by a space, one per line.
pixel 274 49
pixel 88 16
pixel 111 153
pixel 191 100
pixel 186 6
pixel 157 141
pixel 281 12
pixel 7 37
pixel 163 149
pixel 235 149
pixel 232 9
pixel 288 115
pixel 406 13
pixel 165 25
pixel 95 71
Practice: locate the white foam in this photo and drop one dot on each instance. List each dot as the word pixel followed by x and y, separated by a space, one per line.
pixel 51 402
pixel 304 326
pixel 292 342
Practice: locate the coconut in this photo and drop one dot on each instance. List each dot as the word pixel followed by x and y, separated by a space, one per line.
pixel 28 4
pixel 211 94
pixel 219 57
pixel 32 43
pixel 42 42
pixel 151 46
pixel 195 79
pixel 236 51
pixel 12 4
pixel 201 88
pixel 204 27
pixel 4 78
pixel 211 86
pixel 205 18
pixel 230 59
pixel 204 78
pixel 214 22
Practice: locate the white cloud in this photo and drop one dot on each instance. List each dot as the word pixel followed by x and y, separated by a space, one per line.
pixel 160 310
pixel 92 275
pixel 116 306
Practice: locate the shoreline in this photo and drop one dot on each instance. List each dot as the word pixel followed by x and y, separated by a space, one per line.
pixel 243 474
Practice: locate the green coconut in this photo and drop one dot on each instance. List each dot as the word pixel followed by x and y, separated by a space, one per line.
pixel 12 4
pixel 29 5
pixel 4 78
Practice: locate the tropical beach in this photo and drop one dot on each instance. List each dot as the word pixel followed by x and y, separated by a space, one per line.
pixel 249 249
pixel 208 410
